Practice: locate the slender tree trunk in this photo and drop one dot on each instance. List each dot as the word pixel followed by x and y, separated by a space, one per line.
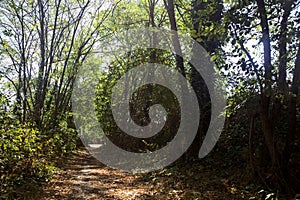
pixel 267 123
pixel 197 82
pixel 153 58
pixel 169 5
pixel 23 64
pixel 287 5
pixel 292 119
pixel 38 92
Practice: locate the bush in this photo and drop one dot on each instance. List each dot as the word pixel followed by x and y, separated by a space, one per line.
pixel 21 156
pixel 28 155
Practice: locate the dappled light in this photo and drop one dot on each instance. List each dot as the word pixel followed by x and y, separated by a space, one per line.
pixel 149 99
pixel 83 177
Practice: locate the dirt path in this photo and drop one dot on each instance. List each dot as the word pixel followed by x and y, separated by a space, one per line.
pixel 85 178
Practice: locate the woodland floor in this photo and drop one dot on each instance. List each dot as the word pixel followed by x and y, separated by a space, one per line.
pixel 83 177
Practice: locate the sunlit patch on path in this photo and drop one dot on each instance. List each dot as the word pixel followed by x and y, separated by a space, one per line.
pixel 86 178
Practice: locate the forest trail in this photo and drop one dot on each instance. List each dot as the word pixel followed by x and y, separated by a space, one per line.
pixel 85 178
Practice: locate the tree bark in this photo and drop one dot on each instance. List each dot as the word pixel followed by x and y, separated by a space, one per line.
pixel 38 101
pixel 169 5
pixel 267 123
pixel 197 82
pixel 287 6
pixel 292 119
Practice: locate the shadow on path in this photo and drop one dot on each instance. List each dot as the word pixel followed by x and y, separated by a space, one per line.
pixel 85 178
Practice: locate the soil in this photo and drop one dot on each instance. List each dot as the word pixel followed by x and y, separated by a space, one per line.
pixel 85 178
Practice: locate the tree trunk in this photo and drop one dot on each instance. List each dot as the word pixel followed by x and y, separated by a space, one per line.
pixel 38 101
pixel 287 6
pixel 197 81
pixel 267 123
pixel 292 119
pixel 169 5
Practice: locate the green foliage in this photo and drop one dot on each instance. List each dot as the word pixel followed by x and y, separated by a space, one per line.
pixel 60 139
pixel 33 136
pixel 140 101
pixel 21 156
pixel 239 95
pixel 27 154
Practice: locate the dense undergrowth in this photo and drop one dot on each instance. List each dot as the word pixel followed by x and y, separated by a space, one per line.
pixel 28 155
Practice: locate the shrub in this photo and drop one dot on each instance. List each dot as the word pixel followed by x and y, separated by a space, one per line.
pixel 21 156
